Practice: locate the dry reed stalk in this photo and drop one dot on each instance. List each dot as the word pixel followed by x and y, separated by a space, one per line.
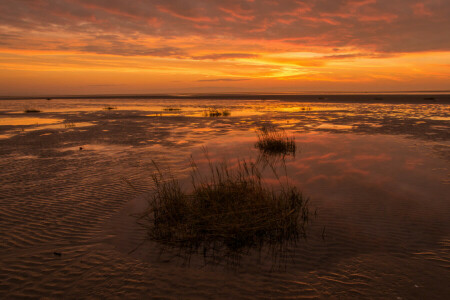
pixel 275 141
pixel 227 212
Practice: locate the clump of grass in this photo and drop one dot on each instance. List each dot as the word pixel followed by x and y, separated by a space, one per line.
pixel 227 212
pixel 212 112
pixel 109 107
pixel 69 125
pixel 272 140
pixel 172 109
pixel 32 110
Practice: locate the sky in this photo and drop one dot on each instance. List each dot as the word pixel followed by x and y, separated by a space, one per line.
pixel 52 47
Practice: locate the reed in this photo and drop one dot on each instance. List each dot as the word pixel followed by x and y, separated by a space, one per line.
pixel 212 112
pixel 227 212
pixel 272 140
pixel 28 111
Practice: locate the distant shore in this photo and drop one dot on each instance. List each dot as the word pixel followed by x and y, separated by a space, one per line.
pixel 419 98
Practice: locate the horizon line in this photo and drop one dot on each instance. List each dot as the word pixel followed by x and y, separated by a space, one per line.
pixel 202 94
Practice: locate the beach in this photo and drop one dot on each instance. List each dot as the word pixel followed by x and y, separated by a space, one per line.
pixel 75 175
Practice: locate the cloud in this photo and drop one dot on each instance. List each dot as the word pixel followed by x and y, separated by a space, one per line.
pixel 357 55
pixel 222 79
pixel 374 25
pixel 219 56
pixel 420 9
pixel 105 85
pixel 124 49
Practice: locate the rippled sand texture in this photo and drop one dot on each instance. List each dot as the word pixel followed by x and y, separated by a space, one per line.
pixel 378 175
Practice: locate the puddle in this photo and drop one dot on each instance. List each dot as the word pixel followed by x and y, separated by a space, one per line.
pixel 67 126
pixel 286 121
pixel 105 148
pixel 28 121
pixel 334 126
pixel 163 114
pixel 231 113
pixel 7 135
pixel 306 108
pixel 439 118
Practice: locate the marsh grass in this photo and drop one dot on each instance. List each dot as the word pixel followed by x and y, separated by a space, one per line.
pixel 272 140
pixel 212 112
pixel 172 109
pixel 32 110
pixel 227 212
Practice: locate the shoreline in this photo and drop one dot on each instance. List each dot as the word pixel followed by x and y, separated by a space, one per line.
pixel 406 98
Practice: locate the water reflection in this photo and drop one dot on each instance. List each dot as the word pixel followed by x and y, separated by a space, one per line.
pixel 28 121
pixel 373 192
pixel 374 195
pixel 380 188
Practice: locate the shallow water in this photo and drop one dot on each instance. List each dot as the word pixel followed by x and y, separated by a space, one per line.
pixel 377 174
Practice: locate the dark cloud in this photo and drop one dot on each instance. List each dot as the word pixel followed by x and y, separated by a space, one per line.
pixel 222 79
pixel 218 56
pixel 357 55
pixel 105 85
pixel 378 25
pixel 121 48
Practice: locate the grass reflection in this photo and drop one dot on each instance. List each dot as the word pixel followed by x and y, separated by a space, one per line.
pixel 212 112
pixel 172 109
pixel 31 111
pixel 274 141
pixel 228 212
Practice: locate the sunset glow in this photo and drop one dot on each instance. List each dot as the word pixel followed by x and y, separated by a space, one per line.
pixel 97 46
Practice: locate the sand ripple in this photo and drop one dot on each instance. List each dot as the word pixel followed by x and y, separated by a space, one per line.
pixel 382 230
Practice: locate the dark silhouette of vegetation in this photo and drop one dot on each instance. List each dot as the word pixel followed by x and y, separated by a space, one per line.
pixel 212 112
pixel 272 140
pixel 227 212
pixel 31 111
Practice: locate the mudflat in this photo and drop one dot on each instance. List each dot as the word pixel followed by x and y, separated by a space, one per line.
pixel 75 172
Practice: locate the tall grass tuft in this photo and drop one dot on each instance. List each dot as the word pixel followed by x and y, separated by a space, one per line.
pixel 212 112
pixel 275 141
pixel 227 212
pixel 32 110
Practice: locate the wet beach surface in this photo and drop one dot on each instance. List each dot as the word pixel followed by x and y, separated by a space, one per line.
pixel 377 174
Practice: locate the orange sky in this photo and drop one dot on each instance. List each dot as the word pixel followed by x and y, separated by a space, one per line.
pixel 121 47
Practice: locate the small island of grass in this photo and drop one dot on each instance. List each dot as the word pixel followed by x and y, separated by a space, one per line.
pixel 275 141
pixel 212 112
pixel 228 211
pixel 31 111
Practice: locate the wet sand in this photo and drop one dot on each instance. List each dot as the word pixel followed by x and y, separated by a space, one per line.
pixel 376 173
